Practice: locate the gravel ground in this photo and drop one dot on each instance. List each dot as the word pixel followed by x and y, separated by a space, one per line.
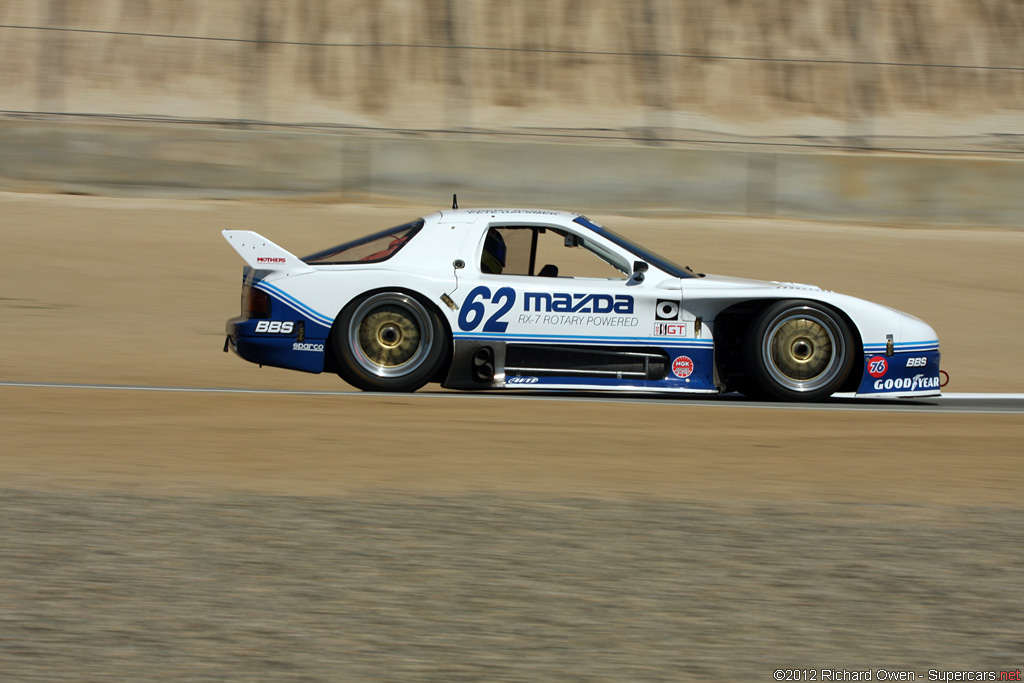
pixel 99 586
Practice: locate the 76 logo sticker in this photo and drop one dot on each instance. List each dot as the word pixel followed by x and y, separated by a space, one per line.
pixel 877 366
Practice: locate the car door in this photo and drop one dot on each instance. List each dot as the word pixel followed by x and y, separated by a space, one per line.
pixel 561 302
pixel 553 283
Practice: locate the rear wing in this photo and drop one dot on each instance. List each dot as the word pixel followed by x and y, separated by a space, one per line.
pixel 262 254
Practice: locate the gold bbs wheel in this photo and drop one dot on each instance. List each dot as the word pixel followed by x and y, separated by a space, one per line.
pixel 388 339
pixel 800 348
pixel 802 351
pixel 389 342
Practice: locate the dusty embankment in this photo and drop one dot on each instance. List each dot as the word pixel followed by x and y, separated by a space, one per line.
pixel 747 68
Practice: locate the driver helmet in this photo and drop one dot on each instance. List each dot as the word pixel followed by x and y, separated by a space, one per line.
pixel 493 260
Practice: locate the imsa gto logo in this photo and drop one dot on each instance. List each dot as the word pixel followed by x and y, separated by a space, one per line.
pixel 275 327
pixel 670 329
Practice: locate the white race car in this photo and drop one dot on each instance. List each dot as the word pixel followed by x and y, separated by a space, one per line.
pixel 533 299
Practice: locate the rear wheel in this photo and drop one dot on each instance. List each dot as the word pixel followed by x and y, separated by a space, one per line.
pixel 389 341
pixel 798 351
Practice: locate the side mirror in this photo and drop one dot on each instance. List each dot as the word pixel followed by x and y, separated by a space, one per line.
pixel 639 268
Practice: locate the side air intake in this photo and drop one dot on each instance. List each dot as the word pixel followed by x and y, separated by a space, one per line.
pixel 543 360
pixel 483 364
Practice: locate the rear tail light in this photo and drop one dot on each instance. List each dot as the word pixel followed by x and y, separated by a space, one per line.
pixel 255 303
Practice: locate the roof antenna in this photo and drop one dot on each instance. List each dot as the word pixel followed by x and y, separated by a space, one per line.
pixel 455 201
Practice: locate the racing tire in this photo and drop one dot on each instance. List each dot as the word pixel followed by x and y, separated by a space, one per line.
pixel 798 351
pixel 389 341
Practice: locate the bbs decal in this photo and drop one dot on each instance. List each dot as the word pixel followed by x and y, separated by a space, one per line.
pixel 275 327
pixel 917 362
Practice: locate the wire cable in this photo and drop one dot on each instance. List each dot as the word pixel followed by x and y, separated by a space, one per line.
pixel 485 48
pixel 608 135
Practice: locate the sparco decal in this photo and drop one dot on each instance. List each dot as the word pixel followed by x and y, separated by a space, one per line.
pixel 682 367
pixel 878 366
pixel 299 346
pixel 907 383
pixel 274 327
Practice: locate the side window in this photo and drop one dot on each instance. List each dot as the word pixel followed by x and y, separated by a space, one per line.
pixel 518 245
pixel 547 252
pixel 373 248
pixel 573 256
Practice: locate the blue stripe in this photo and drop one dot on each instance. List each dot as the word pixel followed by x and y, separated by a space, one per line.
pixel 664 342
pixel 614 383
pixel 315 316
pixel 904 346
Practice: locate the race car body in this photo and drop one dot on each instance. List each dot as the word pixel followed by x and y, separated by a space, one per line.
pixel 519 298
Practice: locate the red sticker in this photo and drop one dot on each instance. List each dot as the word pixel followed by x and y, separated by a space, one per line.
pixel 877 366
pixel 682 366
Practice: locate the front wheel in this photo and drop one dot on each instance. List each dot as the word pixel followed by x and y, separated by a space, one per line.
pixel 389 341
pixel 798 351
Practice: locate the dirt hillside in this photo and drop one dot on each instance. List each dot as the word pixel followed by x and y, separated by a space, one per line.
pixel 748 67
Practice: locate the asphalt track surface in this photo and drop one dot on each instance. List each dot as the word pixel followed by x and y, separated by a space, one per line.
pixel 170 512
pixel 948 403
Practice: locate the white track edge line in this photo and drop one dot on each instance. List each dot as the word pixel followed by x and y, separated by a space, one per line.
pixel 611 397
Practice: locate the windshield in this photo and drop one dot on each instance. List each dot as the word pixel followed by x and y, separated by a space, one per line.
pixel 379 246
pixel 650 257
